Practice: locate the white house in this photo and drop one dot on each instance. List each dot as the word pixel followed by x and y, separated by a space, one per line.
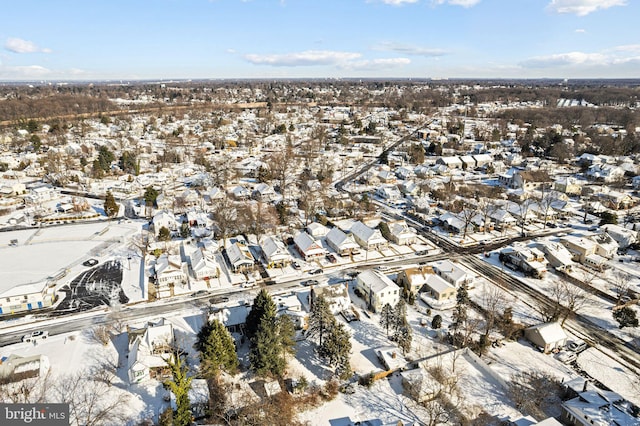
pixel 275 252
pixel 149 350
pixel 169 272
pixel 343 244
pixel 308 247
pixel 401 234
pixel 377 289
pixel 239 257
pixel 453 273
pixel 203 264
pixel 164 219
pixel 368 238
pixel 336 296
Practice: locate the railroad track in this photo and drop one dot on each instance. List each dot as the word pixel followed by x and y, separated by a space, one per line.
pixel 625 352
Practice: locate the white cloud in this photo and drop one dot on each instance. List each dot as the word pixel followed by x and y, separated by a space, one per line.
pixel 18 45
pixel 566 59
pixel 376 64
pixel 398 2
pixel 581 30
pixel 616 56
pixel 306 58
pixel 410 50
pixel 463 3
pixel 583 7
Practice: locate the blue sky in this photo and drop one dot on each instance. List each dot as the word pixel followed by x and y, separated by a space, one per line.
pixel 164 39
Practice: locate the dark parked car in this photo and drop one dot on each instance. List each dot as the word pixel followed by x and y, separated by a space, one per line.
pixel 331 258
pixel 315 271
pixel 307 283
pixel 90 262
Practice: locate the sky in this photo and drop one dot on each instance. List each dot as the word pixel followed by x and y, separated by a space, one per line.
pixel 199 39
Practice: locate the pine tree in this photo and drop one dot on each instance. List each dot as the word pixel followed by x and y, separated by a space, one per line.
pixel 217 349
pixel 262 306
pixel 399 315
pixel 287 332
pixel 110 206
pixel 404 337
pixel 265 355
pixel 387 317
pixel 320 320
pixel 336 349
pixel 164 234
pixel 459 316
pixel 179 386
pixel 436 323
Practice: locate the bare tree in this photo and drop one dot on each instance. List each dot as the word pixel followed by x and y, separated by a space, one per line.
pixel 28 390
pixel 621 283
pixel 91 402
pixel 534 392
pixel 493 301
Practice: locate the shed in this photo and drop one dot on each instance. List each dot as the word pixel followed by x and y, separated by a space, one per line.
pixel 548 336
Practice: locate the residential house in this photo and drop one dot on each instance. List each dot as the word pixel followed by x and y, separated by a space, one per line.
pixel 239 192
pixel 401 234
pixel 377 289
pixel 169 272
pixel 606 246
pixel 341 243
pixel 558 255
pixel 164 219
pixel 368 238
pixel 453 273
pixel 149 349
pixel 548 336
pixel 264 192
pixel 623 236
pixel 607 173
pixel 438 289
pixel 450 162
pixel 414 279
pixel 203 264
pixel 239 257
pixel 317 230
pixel 615 200
pixel 529 260
pixel 275 252
pixel 234 317
pixel 599 408
pixel 336 296
pixel 568 185
pixel 308 248
pixel 390 193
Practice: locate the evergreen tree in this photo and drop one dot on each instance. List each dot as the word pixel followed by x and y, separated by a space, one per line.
pixel 179 385
pixel 321 320
pixel 185 231
pixel 436 323
pixel 626 317
pixel 265 355
pixel 262 306
pixel 399 315
pixel 150 196
pixel 404 337
pixel 387 317
pixel 287 332
pixel 110 206
pixel 164 234
pixel 105 158
pixel 217 349
pixel 336 349
pixel 459 316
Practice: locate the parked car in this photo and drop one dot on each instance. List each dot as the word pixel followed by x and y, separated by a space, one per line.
pixel 295 265
pixel 307 283
pixel 315 271
pixel 331 258
pixel 566 357
pixel 35 335
pixel 577 345
pixel 90 262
